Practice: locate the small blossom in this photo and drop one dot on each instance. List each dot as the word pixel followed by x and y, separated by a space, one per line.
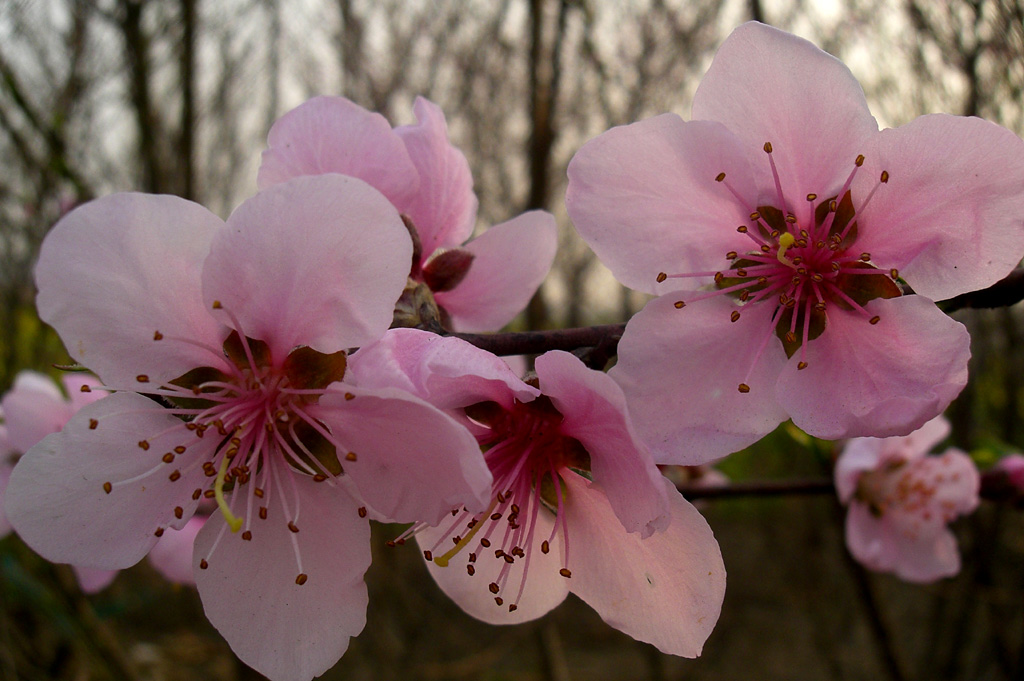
pixel 901 500
pixel 225 346
pixel 577 503
pixel 1012 465
pixel 480 285
pixel 780 229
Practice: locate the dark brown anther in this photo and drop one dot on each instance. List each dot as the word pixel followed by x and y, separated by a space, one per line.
pixel 247 535
pixel 175 476
pixel 545 547
pixel 509 559
pixel 217 305
pixel 767 147
pixel 812 197
pixel 351 456
pixel 493 587
pixel 142 378
pixel 144 445
pixel 755 216
pixel 719 177
pixel 390 543
pixel 661 277
pixel 258 491
pixel 791 219
pixel 209 494
pixel 263 512
pixel 472 558
pixel 894 273
pixel 499 600
pixel 498 553
pixel 565 573
pixel 765 248
pixel 292 526
pixel 832 205
pixel 203 564
pixel 741 272
pixel 679 305
pixel 349 396
pixel 485 542
pixel 470 570
pixel 859 161
pixel 196 494
pixel 471 524
pixel 885 177
pixel 744 388
pixel 513 607
pixel 302 579
pixel 319 477
pixel 874 320
pixel 108 488
pixel 159 532
pixel 428 555
pixel 515 508
pixel 157 336
pixel 85 389
pixel 744 295
pixel 865 257
pixel 801 365
pixel 790 337
pixel 362 511
pixel 168 457
pixel 742 229
pixel 735 316
pixel 456 539
pixel 179 512
pixel 731 255
pixel 93 424
pixel 719 277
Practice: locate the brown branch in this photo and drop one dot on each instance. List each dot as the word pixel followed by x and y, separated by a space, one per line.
pixel 535 342
pixel 1005 292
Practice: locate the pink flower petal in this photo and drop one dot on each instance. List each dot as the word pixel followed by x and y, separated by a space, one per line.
pixel 880 546
pixel 91 580
pixel 172 554
pixel 117 270
pixel 511 260
pixel 287 631
pixel 766 85
pixel 644 197
pixel 949 219
pixel 594 411
pixel 334 135
pixel 447 372
pixel 545 588
pixel 414 462
pixel 880 380
pixel 317 261
pixel 56 499
pixel 444 208
pixel 33 408
pixel 666 590
pixel 680 370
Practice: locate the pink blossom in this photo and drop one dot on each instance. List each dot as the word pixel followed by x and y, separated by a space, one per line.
pixel 1013 466
pixel 481 285
pixel 901 501
pixel 777 228
pixel 578 505
pixel 225 346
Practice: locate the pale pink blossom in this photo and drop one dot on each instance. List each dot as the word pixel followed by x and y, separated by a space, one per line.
pixel 777 228
pixel 480 285
pixel 578 505
pixel 225 346
pixel 1012 465
pixel 901 500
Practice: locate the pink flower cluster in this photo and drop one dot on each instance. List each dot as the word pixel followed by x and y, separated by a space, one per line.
pixel 795 251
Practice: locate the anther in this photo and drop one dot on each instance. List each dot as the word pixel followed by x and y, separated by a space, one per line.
pixel 159 532
pixel 719 277
pixel 349 396
pixel 885 177
pixel 742 229
pixel 744 388
pixel 428 555
pixel 874 320
pixel 791 219
pixel 812 197
pixel 755 216
pixel 144 445
pixel 319 477
pixel 499 600
pixel 107 487
pixel 247 536
pixel 865 257
pixel 661 277
pixel 362 511
pixel 142 378
pixel 731 255
pixel 832 205
pixel 735 316
pixel 767 147
pixel 513 607
pixel 495 516
pixel 196 494
pixel 178 512
pixel 765 248
pixel 301 579
pixel 175 476
pixel 744 294
pixel 157 336
pixel 790 337
pixel 351 456
pixel 801 365
pixel 493 587
pixel 93 424
pixel 545 547
pixel 85 389
pixel 485 542
pixel 168 457
pixel 719 177
pixel 263 512
pixel 859 161
pixel 679 305
pixel 565 573
pixel 509 559
pixel 894 273
pixel 470 570
pixel 258 491
pixel 292 526
pixel 209 494
pixel 741 272
pixel 203 564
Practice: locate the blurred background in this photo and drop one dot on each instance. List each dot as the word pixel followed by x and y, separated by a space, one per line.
pixel 176 96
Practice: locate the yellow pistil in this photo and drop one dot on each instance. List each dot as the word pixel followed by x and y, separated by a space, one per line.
pixel 234 522
pixel 442 560
pixel 786 240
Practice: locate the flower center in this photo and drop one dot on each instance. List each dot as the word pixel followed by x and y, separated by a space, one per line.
pixel 528 456
pixel 245 422
pixel 802 262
